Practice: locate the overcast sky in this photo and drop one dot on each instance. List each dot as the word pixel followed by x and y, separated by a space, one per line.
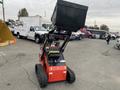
pixel 101 11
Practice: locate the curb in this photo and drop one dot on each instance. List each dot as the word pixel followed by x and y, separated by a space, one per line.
pixel 11 42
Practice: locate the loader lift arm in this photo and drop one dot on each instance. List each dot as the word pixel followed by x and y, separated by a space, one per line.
pixel 64 44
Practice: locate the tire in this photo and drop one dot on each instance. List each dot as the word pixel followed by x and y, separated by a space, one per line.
pixel 80 37
pixel 42 39
pixel 118 47
pixel 41 76
pixel 70 76
pixel 37 39
pixel 18 36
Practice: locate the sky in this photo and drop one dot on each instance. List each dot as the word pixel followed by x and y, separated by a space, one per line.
pixel 100 11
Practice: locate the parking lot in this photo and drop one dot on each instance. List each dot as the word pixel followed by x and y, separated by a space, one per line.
pixel 96 65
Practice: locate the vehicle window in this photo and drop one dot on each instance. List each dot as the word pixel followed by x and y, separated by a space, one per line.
pixel 37 28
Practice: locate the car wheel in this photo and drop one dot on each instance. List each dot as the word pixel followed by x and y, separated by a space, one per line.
pixel 18 36
pixel 118 46
pixel 80 37
pixel 37 39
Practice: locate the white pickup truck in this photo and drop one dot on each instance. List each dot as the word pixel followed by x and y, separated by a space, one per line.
pixel 30 28
pixel 36 33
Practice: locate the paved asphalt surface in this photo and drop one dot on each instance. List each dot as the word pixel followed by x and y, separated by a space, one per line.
pixel 96 65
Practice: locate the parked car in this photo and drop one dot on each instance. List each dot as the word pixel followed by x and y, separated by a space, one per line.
pixel 113 36
pixel 60 35
pixel 117 43
pixel 87 34
pixel 76 35
pixel 10 26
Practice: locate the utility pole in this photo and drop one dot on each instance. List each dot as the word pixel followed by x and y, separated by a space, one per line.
pixel 44 13
pixel 2 2
pixel 95 23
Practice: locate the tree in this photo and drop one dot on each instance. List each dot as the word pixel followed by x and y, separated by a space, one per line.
pixel 96 27
pixel 23 13
pixel 104 27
